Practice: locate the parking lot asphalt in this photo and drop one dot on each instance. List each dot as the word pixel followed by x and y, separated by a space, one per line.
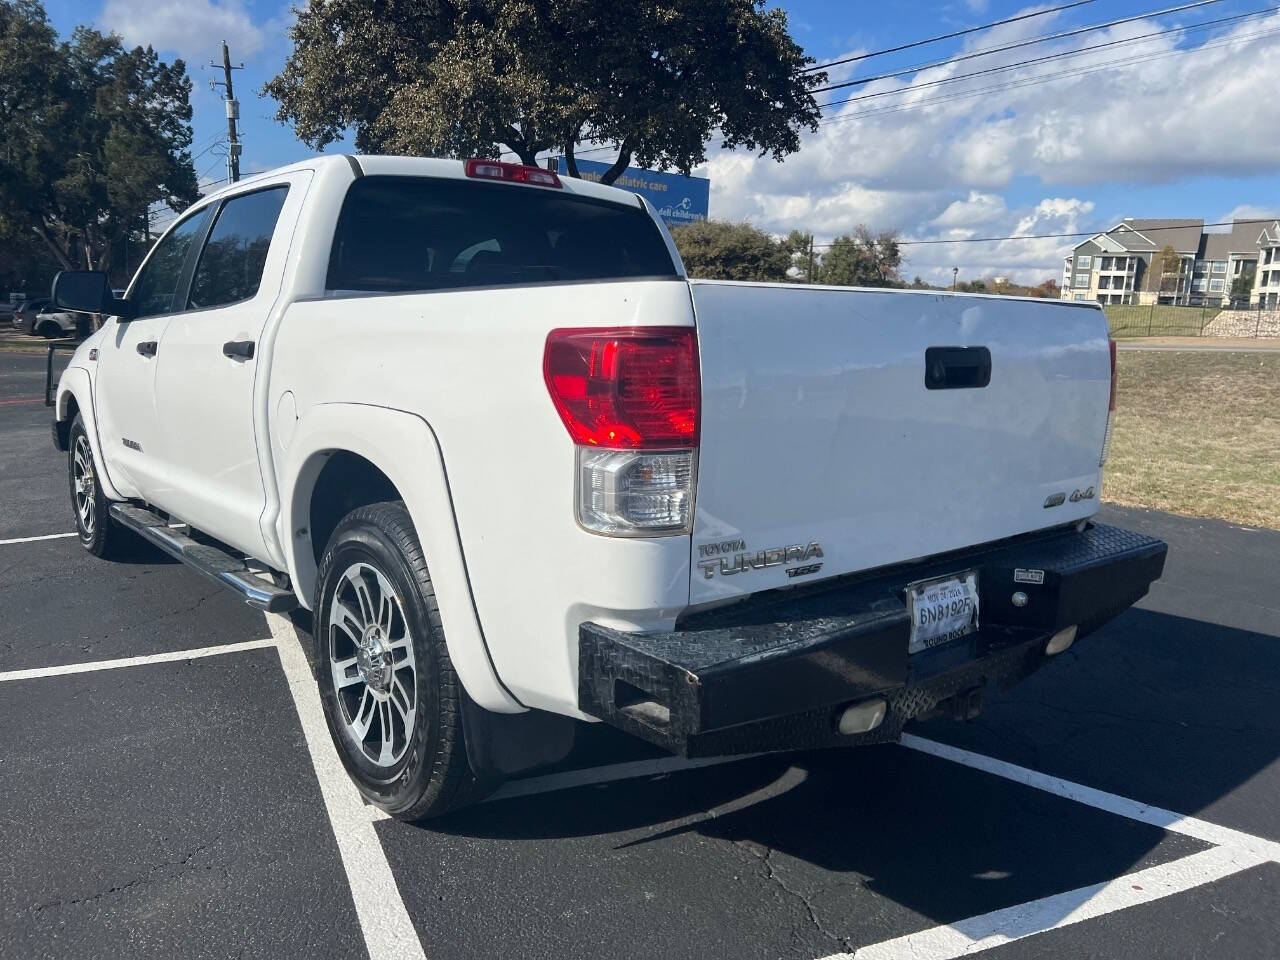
pixel 1121 802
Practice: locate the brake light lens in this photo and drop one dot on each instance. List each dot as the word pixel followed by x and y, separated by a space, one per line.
pixel 511 172
pixel 1111 409
pixel 629 398
pixel 629 388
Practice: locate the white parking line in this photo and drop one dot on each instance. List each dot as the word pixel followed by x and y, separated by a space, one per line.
pixel 47 536
pixel 169 657
pixel 384 921
pixel 1100 799
pixel 1232 852
pixel 1061 909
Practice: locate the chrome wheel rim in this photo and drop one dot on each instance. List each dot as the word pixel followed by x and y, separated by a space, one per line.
pixel 372 664
pixel 84 485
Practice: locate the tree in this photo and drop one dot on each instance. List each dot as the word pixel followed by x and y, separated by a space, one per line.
pixel 719 250
pixel 92 135
pixel 651 78
pixel 863 259
pixel 1162 275
pixel 1242 286
pixel 804 259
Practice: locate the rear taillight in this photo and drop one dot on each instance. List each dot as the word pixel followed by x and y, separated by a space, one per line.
pixel 1111 409
pixel 629 398
pixel 511 172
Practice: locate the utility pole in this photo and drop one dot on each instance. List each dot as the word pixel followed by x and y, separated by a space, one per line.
pixel 811 258
pixel 233 113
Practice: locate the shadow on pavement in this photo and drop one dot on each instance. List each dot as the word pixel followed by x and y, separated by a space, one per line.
pixel 1160 708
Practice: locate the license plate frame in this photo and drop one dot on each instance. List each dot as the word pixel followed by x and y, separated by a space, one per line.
pixel 935 618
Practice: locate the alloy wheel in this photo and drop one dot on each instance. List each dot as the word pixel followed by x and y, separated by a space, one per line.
pixel 84 485
pixel 371 661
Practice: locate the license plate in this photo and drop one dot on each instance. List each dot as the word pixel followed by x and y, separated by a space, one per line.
pixel 942 610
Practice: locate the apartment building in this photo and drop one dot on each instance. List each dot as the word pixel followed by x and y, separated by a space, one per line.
pixel 1266 289
pixel 1211 269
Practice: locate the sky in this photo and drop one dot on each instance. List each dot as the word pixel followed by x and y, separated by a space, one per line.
pixel 1184 124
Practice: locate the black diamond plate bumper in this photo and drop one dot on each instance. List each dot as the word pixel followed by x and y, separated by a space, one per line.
pixel 775 671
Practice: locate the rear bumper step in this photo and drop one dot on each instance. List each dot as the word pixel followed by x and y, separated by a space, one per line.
pixel 221 567
pixel 777 671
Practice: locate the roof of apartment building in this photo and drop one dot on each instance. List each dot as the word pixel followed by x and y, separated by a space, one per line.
pixel 1145 236
pixel 1241 239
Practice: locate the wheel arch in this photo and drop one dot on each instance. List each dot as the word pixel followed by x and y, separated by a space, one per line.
pixel 75 397
pixel 344 455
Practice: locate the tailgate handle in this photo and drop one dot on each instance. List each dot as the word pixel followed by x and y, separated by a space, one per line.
pixel 956 368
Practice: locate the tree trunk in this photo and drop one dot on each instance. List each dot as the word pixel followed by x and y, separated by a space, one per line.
pixel 54 248
pixel 523 147
pixel 623 161
pixel 570 161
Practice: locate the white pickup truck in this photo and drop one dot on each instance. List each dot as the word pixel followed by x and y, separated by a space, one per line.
pixel 524 473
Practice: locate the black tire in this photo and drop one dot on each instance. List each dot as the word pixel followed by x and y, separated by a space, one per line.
pixel 431 775
pixel 98 533
pixel 50 330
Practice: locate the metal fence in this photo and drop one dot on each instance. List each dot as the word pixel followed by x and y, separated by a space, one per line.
pixel 1167 320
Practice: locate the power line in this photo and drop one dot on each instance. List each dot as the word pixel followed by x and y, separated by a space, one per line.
pixel 946 36
pixel 988 51
pixel 1046 78
pixel 1032 61
pixel 1049 236
pixel 217 141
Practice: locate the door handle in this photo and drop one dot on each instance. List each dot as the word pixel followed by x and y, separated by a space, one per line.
pixel 238 349
pixel 148 347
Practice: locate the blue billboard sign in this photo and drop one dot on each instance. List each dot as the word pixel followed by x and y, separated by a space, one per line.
pixel 678 200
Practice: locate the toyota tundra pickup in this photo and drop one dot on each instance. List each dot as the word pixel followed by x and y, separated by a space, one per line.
pixel 523 473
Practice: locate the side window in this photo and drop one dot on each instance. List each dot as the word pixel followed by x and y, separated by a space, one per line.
pixel 230 267
pixel 153 292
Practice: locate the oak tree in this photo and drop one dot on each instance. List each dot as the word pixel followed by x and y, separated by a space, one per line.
pixel 651 79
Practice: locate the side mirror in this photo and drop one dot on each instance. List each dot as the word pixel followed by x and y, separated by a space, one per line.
pixel 88 291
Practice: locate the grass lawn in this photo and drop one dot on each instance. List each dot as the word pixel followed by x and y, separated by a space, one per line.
pixel 1198 433
pixel 1160 320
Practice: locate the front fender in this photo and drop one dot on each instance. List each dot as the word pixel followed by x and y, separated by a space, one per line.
pixel 75 393
pixel 404 447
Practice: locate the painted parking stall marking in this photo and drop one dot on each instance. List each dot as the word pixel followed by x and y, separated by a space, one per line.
pixel 47 536
pixel 384 921
pixel 171 657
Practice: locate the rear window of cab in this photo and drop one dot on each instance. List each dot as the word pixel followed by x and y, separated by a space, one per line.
pixel 404 234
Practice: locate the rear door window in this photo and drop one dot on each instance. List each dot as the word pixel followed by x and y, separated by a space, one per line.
pixel 414 233
pixel 230 267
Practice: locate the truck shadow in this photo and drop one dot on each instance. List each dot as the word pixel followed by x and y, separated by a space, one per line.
pixel 1163 709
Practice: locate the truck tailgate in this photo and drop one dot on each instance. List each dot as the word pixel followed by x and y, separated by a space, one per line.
pixel 824 450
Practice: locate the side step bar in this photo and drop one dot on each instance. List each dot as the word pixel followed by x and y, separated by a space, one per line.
pixel 219 566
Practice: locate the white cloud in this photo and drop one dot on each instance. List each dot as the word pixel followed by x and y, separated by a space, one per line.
pixel 942 166
pixel 1248 211
pixel 192 29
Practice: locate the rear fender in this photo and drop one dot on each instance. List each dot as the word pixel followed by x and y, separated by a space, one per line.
pixel 404 447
